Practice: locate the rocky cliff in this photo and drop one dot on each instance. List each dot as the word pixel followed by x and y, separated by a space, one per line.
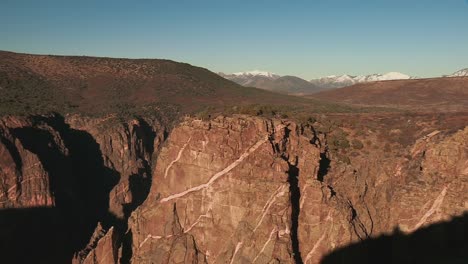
pixel 235 189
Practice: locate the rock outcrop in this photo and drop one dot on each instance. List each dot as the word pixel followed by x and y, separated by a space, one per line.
pixel 222 193
pixel 74 172
pixel 235 189
pixel 24 180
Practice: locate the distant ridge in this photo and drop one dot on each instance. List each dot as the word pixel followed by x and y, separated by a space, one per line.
pixel 334 81
pixel 257 73
pixel 298 86
pixel 36 84
pixel 435 94
pixel 272 82
pixel 460 73
pixel 94 85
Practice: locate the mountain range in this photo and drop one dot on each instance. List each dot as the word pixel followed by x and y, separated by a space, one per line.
pixel 460 73
pixel 334 81
pixel 298 86
pixel 273 82
pixel 415 94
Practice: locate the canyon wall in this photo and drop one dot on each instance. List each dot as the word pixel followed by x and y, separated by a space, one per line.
pixel 228 190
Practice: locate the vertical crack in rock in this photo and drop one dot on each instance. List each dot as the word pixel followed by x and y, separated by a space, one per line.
pixel 293 174
pixel 370 219
pixel 358 226
pixel 127 252
pixel 140 183
pixel 294 190
pixel 332 191
pixel 324 165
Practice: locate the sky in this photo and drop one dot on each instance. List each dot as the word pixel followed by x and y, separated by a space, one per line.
pixel 310 39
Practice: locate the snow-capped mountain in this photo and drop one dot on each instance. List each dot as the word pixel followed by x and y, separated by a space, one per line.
pixel 460 73
pixel 272 82
pixel 382 77
pixel 295 85
pixel 250 78
pixel 334 81
pixel 256 73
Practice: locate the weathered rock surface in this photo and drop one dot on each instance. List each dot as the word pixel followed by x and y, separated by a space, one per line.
pixel 224 186
pixel 211 179
pixel 103 248
pixel 127 148
pixel 24 181
pixel 374 195
pixel 85 170
pixel 231 190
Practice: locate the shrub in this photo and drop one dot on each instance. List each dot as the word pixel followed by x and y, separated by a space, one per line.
pixel 357 144
pixel 338 140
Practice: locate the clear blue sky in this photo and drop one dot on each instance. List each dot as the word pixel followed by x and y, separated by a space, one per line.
pixel 304 38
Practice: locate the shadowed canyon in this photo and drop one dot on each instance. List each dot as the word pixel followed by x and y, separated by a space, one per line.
pixel 150 161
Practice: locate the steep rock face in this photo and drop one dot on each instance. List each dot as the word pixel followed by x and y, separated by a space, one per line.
pixel 128 148
pixel 438 189
pixel 374 195
pixel 103 248
pixel 25 182
pixel 252 190
pixel 222 193
pixel 231 190
pixel 85 170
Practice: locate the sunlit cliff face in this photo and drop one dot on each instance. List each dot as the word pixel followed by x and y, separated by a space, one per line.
pixel 235 189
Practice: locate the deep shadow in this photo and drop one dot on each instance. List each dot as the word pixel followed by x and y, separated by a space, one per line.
pixel 36 235
pixel 80 183
pixel 294 190
pixel 127 248
pixel 324 166
pixel 139 186
pixel 148 134
pixel 140 183
pixel 445 242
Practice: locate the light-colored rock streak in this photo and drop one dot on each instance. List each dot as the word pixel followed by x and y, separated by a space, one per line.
pixel 177 158
pixel 148 237
pixel 238 246
pixel 266 243
pixel 280 192
pixel 317 244
pixel 196 222
pixel 319 241
pixel 435 206
pixel 219 174
pixel 302 199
